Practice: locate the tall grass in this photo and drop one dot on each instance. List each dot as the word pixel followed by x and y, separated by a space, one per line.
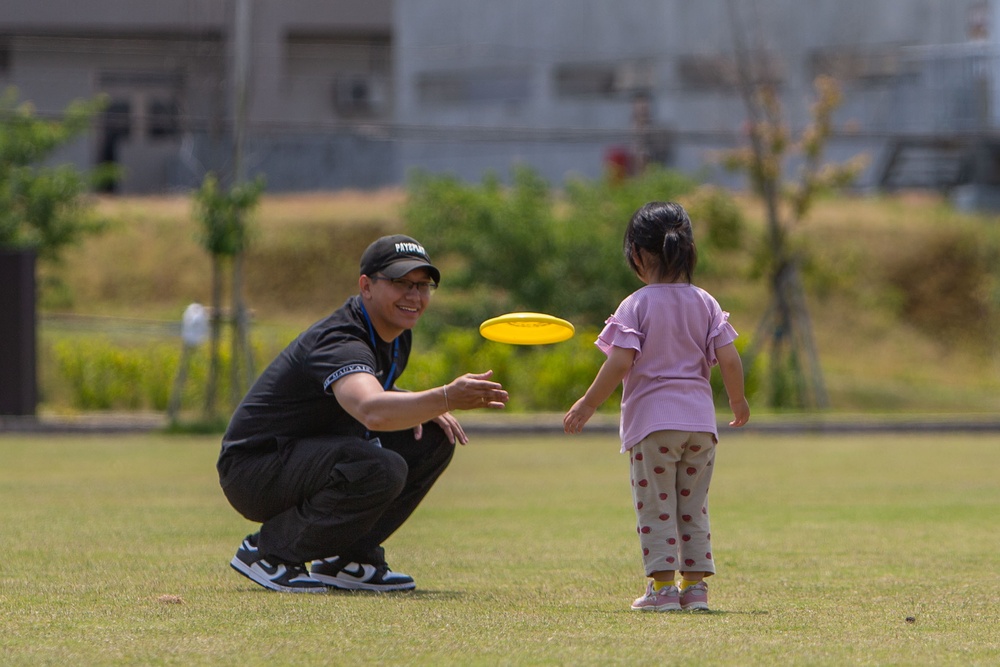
pixel 873 319
pixel 115 551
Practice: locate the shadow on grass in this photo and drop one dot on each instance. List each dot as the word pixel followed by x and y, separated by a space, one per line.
pixel 422 595
pixel 416 595
pixel 693 612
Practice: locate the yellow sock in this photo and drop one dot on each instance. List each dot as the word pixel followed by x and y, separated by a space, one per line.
pixel 658 585
pixel 687 582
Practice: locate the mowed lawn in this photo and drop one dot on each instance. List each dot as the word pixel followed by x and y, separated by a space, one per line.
pixel 832 550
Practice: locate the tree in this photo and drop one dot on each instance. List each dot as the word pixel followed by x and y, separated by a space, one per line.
pixel 225 236
pixel 785 326
pixel 42 211
pixel 42 207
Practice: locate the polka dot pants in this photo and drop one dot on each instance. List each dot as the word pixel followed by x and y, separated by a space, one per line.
pixel 671 473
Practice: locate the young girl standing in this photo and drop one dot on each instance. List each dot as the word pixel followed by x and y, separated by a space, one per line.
pixel 662 342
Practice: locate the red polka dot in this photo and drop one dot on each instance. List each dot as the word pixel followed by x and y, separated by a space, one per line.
pixel 645 552
pixel 689 561
pixel 663 496
pixel 691 470
pixel 638 505
pixel 638 457
pixel 644 530
pixel 686 538
pixel 684 492
pixel 643 483
pixel 659 470
pixel 686 517
pixel 695 448
pixel 664 517
pixel 708 555
pixel 663 450
pixel 670 559
pixel 672 540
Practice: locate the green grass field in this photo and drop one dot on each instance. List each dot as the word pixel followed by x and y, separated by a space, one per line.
pixel 116 549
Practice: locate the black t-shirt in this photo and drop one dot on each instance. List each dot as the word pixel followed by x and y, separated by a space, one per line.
pixel 293 397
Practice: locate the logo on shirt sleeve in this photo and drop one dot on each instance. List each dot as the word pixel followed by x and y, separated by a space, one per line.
pixel 346 370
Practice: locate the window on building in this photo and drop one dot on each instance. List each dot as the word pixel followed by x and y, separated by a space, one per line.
pixel 585 80
pixel 115 127
pixel 359 94
pixel 705 72
pixel 162 118
pixel 483 86
pixel 353 71
pixel 859 67
pixel 603 80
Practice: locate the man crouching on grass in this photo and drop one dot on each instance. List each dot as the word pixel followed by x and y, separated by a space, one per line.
pixel 327 454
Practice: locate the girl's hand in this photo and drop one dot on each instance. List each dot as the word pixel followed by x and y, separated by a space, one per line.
pixel 577 416
pixel 741 412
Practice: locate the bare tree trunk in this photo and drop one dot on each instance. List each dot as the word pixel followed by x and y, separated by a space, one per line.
pixel 211 388
pixel 242 371
pixel 786 321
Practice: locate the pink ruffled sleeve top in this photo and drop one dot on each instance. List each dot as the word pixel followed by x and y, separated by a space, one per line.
pixel 674 329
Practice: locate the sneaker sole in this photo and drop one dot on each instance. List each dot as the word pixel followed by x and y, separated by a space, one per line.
pixel 660 608
pixel 333 582
pixel 250 574
pixel 696 606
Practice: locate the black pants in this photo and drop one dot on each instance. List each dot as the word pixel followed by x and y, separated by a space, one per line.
pixel 334 496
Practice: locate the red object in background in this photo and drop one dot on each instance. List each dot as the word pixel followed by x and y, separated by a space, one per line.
pixel 618 163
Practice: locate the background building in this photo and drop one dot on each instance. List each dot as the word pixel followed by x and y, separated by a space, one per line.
pixel 319 71
pixel 556 84
pixel 349 94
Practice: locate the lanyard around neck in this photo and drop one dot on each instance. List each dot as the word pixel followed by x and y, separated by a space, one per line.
pixel 395 347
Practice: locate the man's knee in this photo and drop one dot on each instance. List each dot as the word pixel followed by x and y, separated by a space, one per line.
pixel 380 474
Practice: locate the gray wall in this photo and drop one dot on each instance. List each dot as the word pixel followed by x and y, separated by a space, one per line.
pixel 665 41
pixel 470 86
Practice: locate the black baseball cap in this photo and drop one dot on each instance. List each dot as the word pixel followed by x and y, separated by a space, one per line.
pixel 395 256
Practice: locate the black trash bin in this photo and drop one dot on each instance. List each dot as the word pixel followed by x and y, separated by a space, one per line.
pixel 18 379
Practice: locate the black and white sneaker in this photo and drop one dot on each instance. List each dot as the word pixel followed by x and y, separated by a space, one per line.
pixel 284 577
pixel 338 573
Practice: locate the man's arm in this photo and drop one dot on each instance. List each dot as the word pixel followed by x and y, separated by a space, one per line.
pixel 361 395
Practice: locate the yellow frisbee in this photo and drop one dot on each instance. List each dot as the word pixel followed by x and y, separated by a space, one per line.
pixel 526 329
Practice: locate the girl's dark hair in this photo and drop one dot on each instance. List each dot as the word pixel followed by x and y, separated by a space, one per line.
pixel 662 229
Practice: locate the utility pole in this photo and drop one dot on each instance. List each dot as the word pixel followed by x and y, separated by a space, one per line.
pixel 241 354
pixel 242 26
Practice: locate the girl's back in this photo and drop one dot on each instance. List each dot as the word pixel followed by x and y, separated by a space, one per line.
pixel 674 328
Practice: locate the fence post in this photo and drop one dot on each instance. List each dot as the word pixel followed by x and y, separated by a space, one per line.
pixel 18 381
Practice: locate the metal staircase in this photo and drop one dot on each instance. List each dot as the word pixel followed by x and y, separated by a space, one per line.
pixel 927 162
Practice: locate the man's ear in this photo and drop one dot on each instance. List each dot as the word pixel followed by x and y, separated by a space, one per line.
pixel 365 286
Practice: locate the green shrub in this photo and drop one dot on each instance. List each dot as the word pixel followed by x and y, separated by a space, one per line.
pixel 104 376
pixel 544 378
pixel 721 217
pixel 949 285
pixel 519 248
pixel 97 373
